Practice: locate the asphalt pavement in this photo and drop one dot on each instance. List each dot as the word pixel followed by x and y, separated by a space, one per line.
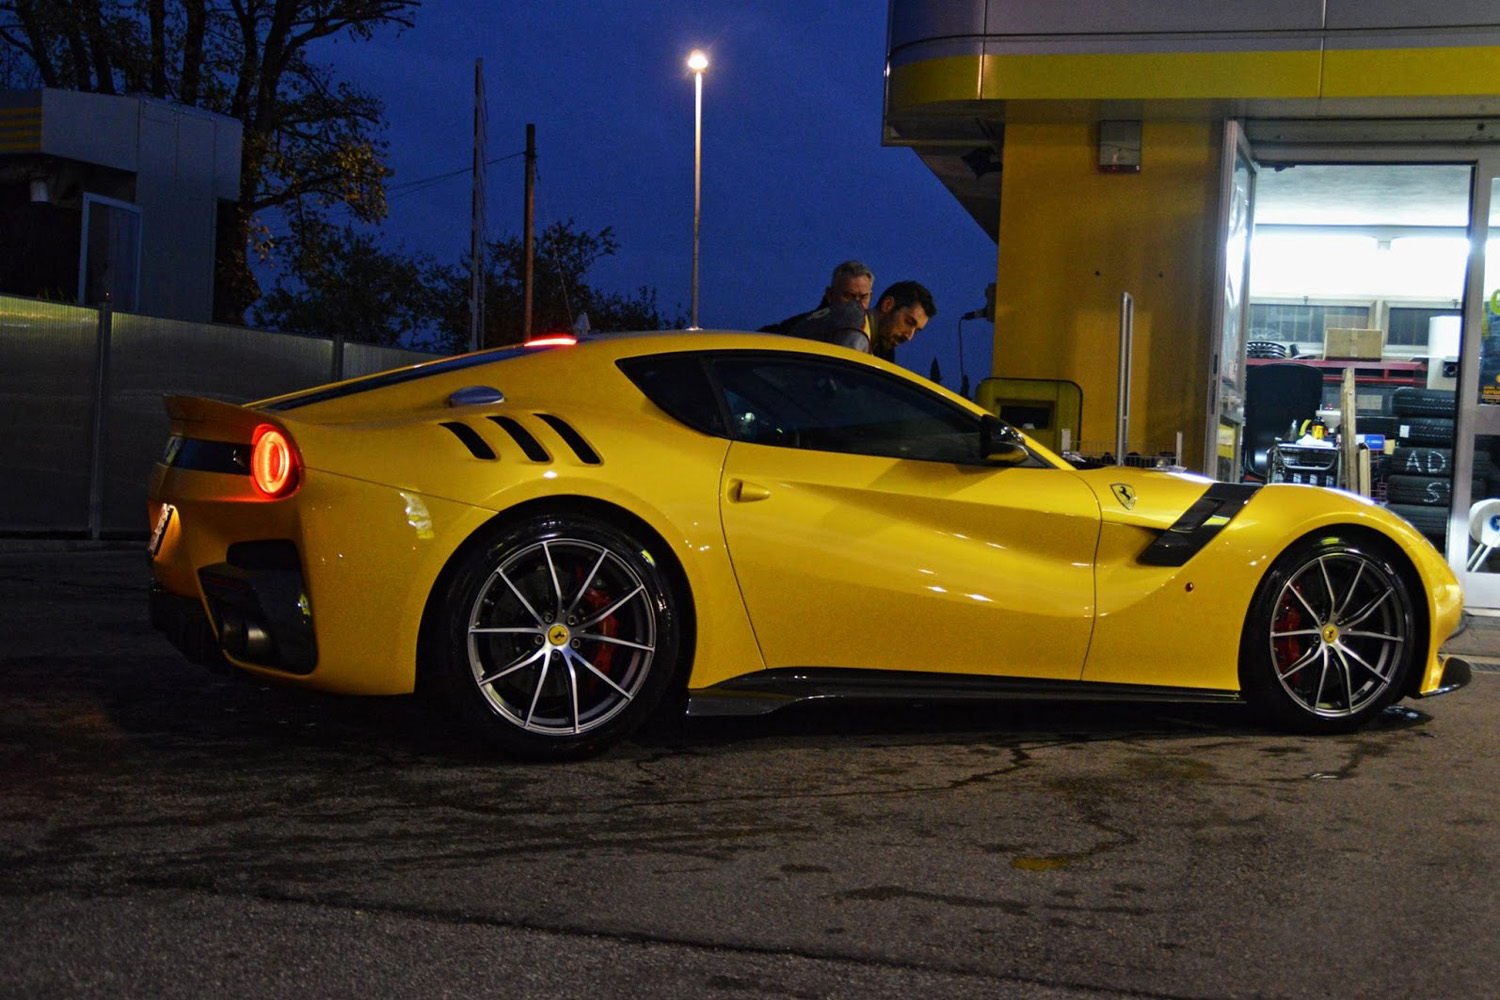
pixel 168 832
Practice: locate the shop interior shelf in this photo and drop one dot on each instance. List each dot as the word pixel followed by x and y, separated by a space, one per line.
pixel 1369 372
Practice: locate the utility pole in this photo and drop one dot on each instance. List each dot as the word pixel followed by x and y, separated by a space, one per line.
pixel 476 234
pixel 528 234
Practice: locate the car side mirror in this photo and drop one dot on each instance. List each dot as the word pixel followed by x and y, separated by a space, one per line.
pixel 1000 443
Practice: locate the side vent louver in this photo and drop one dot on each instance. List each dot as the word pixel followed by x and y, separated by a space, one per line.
pixel 530 445
pixel 471 439
pixel 573 439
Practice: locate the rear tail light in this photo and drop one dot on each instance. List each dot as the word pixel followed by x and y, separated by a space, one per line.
pixel 275 468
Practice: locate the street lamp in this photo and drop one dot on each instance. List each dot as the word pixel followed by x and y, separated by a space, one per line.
pixel 697 62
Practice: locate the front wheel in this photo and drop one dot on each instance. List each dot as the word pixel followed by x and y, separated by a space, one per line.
pixel 559 636
pixel 1329 637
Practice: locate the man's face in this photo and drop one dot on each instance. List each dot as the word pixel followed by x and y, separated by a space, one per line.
pixel 896 326
pixel 849 289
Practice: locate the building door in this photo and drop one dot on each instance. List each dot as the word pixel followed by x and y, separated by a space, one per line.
pixel 1381 260
pixel 109 254
pixel 1474 527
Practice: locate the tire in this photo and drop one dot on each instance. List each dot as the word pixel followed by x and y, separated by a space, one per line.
pixel 1419 461
pixel 1329 637
pixel 1424 491
pixel 1410 401
pixel 1430 521
pixel 555 637
pixel 1428 430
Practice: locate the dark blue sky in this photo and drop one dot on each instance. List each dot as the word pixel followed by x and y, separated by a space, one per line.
pixel 794 176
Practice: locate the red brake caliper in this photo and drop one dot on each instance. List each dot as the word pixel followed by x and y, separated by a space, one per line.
pixel 1288 648
pixel 603 653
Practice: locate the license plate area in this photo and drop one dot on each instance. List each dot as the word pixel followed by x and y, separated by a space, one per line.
pixel 160 531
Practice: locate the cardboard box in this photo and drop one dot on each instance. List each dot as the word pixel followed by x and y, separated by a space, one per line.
pixel 1358 345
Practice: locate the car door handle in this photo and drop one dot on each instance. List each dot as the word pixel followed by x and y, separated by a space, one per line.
pixel 741 491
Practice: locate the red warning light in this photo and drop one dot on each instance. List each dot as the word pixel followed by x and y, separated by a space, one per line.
pixel 552 340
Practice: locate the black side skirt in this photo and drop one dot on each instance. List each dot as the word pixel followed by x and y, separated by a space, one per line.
pixel 768 690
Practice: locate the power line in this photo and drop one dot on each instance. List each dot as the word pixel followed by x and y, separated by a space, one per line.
pixel 395 191
pixel 412 187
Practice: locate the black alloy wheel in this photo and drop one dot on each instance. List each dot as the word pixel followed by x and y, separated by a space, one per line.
pixel 559 636
pixel 1330 636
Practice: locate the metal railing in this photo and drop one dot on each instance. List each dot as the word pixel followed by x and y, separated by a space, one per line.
pixel 1140 456
pixel 80 401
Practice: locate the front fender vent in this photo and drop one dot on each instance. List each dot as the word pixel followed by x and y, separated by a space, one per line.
pixel 530 445
pixel 586 454
pixel 471 440
pixel 1198 525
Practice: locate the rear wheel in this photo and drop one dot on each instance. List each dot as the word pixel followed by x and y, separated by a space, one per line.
pixel 1329 637
pixel 559 636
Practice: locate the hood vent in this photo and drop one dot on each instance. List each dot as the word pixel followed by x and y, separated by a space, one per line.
pixel 586 454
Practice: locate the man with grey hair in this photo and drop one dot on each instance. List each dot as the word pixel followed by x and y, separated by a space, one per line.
pixel 851 282
pixel 899 314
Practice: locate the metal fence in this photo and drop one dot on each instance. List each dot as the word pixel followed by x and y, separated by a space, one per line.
pixel 1137 456
pixel 80 403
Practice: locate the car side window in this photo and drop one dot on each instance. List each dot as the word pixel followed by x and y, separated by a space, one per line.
pixel 818 405
pixel 678 384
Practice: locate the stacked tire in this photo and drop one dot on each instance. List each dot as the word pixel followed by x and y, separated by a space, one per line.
pixel 1420 484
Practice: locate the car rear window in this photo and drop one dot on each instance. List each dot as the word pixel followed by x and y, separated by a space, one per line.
pixel 678 384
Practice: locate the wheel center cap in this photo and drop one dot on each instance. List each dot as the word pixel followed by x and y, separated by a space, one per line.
pixel 558 635
pixel 1330 633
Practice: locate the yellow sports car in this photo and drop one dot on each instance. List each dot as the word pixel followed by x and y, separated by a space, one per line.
pixel 553 539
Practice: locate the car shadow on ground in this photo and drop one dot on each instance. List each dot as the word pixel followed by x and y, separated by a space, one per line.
pixel 195 705
pixel 113 676
pixel 852 721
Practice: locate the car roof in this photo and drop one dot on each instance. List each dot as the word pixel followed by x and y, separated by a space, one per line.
pixel 589 352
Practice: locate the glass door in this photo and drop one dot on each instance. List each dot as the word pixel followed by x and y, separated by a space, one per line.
pixel 1474 525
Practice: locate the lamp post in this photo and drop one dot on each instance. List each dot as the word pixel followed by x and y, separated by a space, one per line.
pixel 697 62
